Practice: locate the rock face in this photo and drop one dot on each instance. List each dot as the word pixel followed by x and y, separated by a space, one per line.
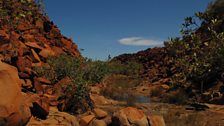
pixel 129 117
pixel 12 109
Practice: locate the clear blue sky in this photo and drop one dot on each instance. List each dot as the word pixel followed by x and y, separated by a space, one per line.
pixel 104 27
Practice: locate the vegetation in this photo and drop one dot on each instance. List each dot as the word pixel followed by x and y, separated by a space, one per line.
pixel 199 53
pixel 84 72
pixel 12 12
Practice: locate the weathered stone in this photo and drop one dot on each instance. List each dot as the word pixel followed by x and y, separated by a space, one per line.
pixel 99 113
pixel 40 108
pixel 52 99
pixel 28 83
pixel 85 121
pixel 47 52
pixel 23 62
pixel 60 87
pixel 36 57
pixel 156 120
pixel 55 118
pixel 130 117
pixel 33 45
pixel 24 75
pixel 13 112
pixel 57 50
pixel 39 64
pixel 38 87
pixel 97 123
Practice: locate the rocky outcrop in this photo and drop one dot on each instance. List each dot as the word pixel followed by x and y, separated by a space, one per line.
pixel 13 110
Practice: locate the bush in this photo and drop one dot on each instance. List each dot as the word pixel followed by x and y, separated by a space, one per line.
pixel 95 71
pixel 84 72
pixel 199 54
pixel 132 69
pixel 76 94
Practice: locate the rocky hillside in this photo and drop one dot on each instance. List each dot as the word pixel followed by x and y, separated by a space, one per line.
pixel 156 62
pixel 27 39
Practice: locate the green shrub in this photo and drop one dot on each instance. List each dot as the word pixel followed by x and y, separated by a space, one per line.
pixel 199 54
pixel 132 69
pixel 76 95
pixel 95 71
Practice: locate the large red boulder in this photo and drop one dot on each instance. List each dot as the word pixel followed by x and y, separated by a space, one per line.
pixel 13 110
pixel 130 117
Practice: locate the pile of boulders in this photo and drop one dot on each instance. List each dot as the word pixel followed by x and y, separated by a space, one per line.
pixel 128 116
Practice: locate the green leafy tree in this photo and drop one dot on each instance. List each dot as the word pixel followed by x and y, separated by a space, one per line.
pixel 199 54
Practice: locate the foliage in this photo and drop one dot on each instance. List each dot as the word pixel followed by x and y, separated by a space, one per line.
pixel 95 71
pixel 76 93
pixel 84 72
pixel 199 54
pixel 132 69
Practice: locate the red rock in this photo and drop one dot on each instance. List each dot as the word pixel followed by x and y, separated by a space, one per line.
pixel 40 108
pixel 57 50
pixel 29 38
pixel 38 87
pixel 130 116
pixel 66 42
pixel 60 87
pixel 99 113
pixel 156 120
pixel 47 52
pixel 33 45
pixel 84 121
pixel 52 99
pixel 37 58
pixel 24 75
pixel 44 80
pixel 28 83
pixel 23 62
pixel 40 64
pixel 12 110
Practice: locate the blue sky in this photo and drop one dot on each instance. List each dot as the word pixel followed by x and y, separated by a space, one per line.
pixel 103 27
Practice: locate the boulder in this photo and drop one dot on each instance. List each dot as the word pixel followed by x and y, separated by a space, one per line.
pixel 35 56
pixel 13 110
pixel 55 118
pixel 40 108
pixel 99 113
pixel 85 121
pixel 47 52
pixel 130 117
pixel 61 86
pixel 33 45
pixel 156 120
pixel 97 122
